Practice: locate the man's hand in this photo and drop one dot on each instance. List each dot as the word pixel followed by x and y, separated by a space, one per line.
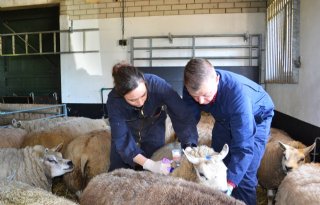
pixel 161 167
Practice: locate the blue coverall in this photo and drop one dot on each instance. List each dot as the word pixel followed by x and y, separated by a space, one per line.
pixel 142 130
pixel 243 113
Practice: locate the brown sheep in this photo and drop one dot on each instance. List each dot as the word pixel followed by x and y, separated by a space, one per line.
pixel 90 154
pixel 282 155
pixel 126 186
pixel 204 128
pixel 11 137
pixel 63 133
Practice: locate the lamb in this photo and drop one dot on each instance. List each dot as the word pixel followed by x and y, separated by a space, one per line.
pixel 201 164
pixel 301 186
pixel 90 154
pixel 126 186
pixel 64 133
pixel 15 192
pixel 11 137
pixel 282 155
pixel 34 165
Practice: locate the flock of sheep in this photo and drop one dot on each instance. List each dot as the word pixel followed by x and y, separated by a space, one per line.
pixel 32 153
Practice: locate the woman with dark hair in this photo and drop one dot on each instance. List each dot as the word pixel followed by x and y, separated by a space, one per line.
pixel 137 109
pixel 242 110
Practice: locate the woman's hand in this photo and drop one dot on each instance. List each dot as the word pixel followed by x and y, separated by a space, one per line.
pixel 160 167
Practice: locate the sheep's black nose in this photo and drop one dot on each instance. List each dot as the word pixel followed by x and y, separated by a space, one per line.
pixel 70 163
pixel 288 169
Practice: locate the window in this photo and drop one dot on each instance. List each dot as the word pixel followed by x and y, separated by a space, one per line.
pixel 283 55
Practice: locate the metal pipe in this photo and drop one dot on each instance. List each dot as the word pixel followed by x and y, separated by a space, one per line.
pixel 54 42
pixel 13 44
pixel 40 43
pixel 34 109
pixel 26 43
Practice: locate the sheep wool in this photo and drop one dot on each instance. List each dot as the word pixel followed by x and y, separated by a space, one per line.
pixel 301 186
pixel 33 165
pixel 15 192
pixel 125 186
pixel 64 133
pixel 90 155
pixel 11 137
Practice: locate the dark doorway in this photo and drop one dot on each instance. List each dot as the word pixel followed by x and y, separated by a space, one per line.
pixel 32 74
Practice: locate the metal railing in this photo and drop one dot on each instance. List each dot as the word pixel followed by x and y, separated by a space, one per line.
pixel 9 42
pixel 43 112
pixel 236 47
pixel 282 59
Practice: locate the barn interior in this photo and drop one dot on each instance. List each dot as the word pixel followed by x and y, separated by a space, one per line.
pixel 56 56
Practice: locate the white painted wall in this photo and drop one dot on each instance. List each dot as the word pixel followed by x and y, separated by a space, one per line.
pixel 83 75
pixel 302 101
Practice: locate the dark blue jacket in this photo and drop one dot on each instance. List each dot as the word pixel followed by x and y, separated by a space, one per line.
pixel 239 106
pixel 131 128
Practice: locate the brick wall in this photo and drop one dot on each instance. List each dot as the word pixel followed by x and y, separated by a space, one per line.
pixel 96 9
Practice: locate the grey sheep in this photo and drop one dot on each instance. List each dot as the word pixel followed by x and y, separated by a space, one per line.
pixel 126 186
pixel 35 166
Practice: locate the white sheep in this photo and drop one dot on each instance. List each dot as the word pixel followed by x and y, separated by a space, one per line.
pixel 11 137
pixel 282 155
pixel 33 165
pixel 90 155
pixel 126 186
pixel 15 192
pixel 300 186
pixel 201 164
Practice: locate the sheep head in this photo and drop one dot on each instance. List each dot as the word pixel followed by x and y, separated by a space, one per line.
pixel 208 165
pixel 294 157
pixel 54 163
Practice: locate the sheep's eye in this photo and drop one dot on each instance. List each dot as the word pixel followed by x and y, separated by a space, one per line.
pixel 203 176
pixel 52 161
pixel 301 160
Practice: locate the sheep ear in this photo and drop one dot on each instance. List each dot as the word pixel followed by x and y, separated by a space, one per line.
pixel 192 159
pixel 84 162
pixel 307 150
pixel 283 146
pixel 224 152
pixel 57 148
